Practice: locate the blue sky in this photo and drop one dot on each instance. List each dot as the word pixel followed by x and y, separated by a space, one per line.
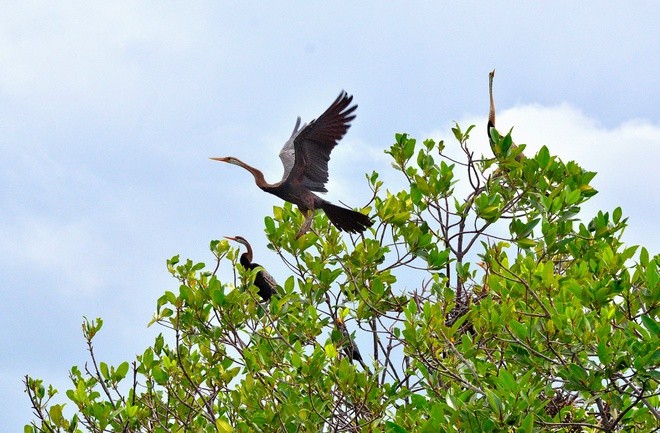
pixel 109 112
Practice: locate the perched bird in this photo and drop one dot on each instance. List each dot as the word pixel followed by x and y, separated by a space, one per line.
pixel 263 280
pixel 491 112
pixel 305 158
pixel 491 118
pixel 349 347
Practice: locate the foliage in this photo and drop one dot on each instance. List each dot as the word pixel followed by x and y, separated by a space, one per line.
pixel 478 300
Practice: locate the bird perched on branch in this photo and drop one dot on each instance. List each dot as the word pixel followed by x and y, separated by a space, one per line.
pixel 305 158
pixel 491 121
pixel 263 280
pixel 491 112
pixel 350 348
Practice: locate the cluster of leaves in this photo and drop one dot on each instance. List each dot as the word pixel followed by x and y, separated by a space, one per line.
pixel 478 301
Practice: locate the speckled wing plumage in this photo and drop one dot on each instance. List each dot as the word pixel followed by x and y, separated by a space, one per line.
pixel 264 282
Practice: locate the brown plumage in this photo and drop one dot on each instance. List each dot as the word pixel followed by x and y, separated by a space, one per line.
pixel 491 112
pixel 491 118
pixel 305 158
pixel 263 280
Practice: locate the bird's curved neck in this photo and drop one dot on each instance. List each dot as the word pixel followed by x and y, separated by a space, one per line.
pixel 259 178
pixel 246 257
pixel 491 113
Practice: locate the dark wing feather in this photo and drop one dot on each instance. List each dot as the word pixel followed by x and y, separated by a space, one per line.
pixel 314 142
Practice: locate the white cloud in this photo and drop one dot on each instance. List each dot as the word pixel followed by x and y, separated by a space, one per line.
pixel 625 157
pixel 350 161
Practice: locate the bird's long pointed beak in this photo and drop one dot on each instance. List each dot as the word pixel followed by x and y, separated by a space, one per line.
pixel 230 238
pixel 223 159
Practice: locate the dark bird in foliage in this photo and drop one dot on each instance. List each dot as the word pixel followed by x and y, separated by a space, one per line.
pixel 350 349
pixel 305 158
pixel 263 280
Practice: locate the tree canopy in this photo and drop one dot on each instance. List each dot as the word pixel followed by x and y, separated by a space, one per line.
pixel 480 300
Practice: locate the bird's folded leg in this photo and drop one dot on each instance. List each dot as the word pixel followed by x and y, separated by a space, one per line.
pixel 307 224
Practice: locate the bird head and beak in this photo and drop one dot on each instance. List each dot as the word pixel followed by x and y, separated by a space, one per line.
pixel 235 161
pixel 227 159
pixel 239 239
pixel 258 176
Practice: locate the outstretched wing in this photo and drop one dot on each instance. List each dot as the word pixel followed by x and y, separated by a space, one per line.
pixel 310 146
pixel 288 153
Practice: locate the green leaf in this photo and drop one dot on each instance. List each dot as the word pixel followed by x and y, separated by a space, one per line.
pixel 652 276
pixel 186 293
pixel 604 353
pixel 494 402
pixel 543 157
pixel 526 243
pixel 392 427
pixel 223 426
pixel 148 357
pixel 104 370
pixel 651 325
pixel 644 256
pixel 270 225
pixel 288 284
pixel 415 194
pixel 527 424
pixel 457 132
pixel 330 350
pixel 408 148
pixel 452 402
pixel 438 259
pixel 160 376
pixel 573 197
pixel 577 375
pixel 56 413
pixel 519 329
pixel 507 141
pixel 507 381
pixel 122 370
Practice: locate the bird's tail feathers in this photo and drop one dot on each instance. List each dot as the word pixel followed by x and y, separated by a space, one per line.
pixel 346 219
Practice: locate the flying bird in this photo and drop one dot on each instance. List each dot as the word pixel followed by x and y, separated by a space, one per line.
pixel 263 280
pixel 305 158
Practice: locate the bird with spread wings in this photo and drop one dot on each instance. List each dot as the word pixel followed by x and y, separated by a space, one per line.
pixel 305 158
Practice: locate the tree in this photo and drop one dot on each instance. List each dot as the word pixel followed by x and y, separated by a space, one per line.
pixel 479 302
